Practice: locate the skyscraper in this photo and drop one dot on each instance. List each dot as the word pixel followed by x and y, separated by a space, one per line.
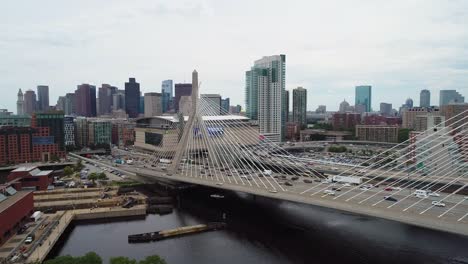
pixel 425 98
pixel 450 96
pixel 181 89
pixel 43 97
pixel 20 103
pixel 300 106
pixel 286 107
pixel 225 103
pixel 70 104
pixel 118 100
pixel 364 96
pixel 132 97
pixel 30 102
pixel 85 100
pixel 265 95
pixel 166 91
pixel 153 104
pixel 105 98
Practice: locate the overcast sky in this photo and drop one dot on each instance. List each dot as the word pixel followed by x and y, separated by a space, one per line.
pixel 398 47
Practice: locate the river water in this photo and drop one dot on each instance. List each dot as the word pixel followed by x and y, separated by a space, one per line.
pixel 263 230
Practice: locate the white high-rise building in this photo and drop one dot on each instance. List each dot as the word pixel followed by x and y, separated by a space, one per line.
pixel 265 96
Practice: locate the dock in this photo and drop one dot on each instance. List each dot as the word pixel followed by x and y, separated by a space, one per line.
pixel 176 232
pixel 66 217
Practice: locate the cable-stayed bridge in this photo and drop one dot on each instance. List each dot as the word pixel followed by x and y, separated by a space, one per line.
pixel 422 181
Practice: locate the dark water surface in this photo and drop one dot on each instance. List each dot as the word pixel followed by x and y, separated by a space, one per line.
pixel 268 231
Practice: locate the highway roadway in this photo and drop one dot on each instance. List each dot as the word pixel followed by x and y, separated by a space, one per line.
pixel 408 209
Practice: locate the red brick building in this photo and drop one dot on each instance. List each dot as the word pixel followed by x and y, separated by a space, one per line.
pixel 30 178
pixel 123 134
pixel 293 131
pixel 346 121
pixel 27 144
pixel 15 210
pixel 381 120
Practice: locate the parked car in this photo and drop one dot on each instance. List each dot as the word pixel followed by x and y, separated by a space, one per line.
pixel 438 203
pixel 389 198
pixel 329 192
pixel 388 189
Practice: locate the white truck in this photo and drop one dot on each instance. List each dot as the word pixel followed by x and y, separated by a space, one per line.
pixel 347 179
pixel 36 216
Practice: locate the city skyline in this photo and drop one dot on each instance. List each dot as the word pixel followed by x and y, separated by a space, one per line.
pixel 394 61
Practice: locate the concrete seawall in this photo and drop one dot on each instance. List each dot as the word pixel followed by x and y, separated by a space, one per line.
pixel 41 252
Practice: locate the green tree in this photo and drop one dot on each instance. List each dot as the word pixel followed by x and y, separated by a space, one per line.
pixel 67 171
pixel 102 176
pixel 93 176
pixel 403 134
pixel 153 260
pixel 122 260
pixel 89 258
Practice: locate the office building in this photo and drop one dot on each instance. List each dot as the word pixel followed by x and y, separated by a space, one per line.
pixel 300 106
pixel 141 106
pixel 424 122
pixel 81 132
pixel 454 116
pixel 118 100
pixel 29 102
pixel 211 103
pixel 132 97
pixel 166 91
pixel 364 97
pixel 69 108
pixel 345 121
pixel 153 104
pixel 105 95
pixel 85 100
pixel 225 104
pixel 60 106
pixel 181 89
pixel 377 133
pixel 43 97
pixel 385 109
pixel 100 132
pixel 69 128
pixel 27 144
pixel 450 96
pixel 265 96
pixel 425 98
pixel 54 121
pixel 409 115
pixel 20 103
